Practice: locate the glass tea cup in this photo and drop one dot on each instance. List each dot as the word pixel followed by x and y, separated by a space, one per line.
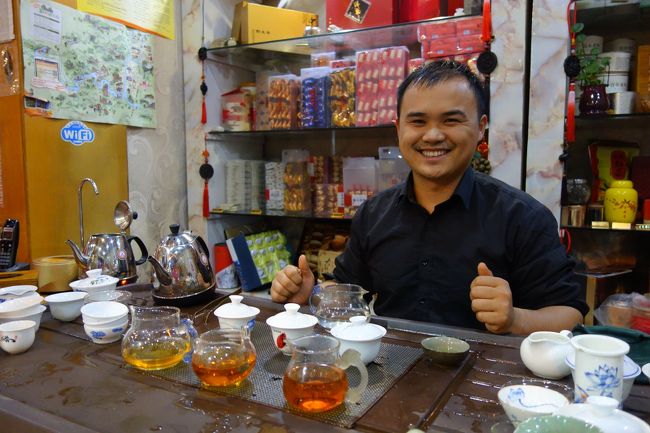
pixel 157 338
pixel 337 303
pixel 315 379
pixel 223 356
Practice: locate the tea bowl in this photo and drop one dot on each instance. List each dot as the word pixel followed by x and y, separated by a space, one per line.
pixel 20 307
pixel 95 282
pixel 556 424
pixel 630 372
pixel 102 334
pixel 646 370
pixel 66 306
pixel 17 336
pixel 121 296
pixel 14 292
pixel 34 314
pixel 445 350
pixel 235 314
pixel 525 398
pixel 103 312
pixel 290 325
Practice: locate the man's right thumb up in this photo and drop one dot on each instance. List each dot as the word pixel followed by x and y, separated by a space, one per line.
pixel 305 271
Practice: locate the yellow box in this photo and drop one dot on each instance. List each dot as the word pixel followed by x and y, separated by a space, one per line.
pixel 258 23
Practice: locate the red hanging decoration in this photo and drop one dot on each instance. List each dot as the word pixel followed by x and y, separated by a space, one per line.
pixel 206 171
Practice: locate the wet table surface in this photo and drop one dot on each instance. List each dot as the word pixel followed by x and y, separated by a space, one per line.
pixel 65 383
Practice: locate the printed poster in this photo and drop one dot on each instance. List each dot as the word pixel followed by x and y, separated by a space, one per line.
pixel 153 16
pixel 84 67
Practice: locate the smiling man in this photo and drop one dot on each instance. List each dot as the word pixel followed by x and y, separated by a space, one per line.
pixel 450 245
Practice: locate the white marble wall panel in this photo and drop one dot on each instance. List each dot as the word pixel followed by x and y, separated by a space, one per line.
pixel 156 157
pixel 549 45
pixel 506 91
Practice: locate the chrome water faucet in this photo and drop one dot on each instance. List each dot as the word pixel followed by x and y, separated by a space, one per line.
pixel 81 210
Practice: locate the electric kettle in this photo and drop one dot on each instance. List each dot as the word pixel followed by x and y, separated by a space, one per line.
pixel 181 263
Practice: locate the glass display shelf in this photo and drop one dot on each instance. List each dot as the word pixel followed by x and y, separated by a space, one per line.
pixel 379 130
pixel 641 230
pixel 216 214
pixel 612 17
pixel 343 43
pixel 623 118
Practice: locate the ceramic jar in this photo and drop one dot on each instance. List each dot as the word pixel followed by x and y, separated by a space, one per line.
pixel 621 200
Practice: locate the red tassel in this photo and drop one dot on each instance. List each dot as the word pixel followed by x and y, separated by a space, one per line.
pixel 571 115
pixel 486 36
pixel 206 201
pixel 204 114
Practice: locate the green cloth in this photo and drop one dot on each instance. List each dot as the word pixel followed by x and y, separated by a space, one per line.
pixel 639 343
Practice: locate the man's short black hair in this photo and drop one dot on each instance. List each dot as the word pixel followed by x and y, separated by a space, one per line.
pixel 440 71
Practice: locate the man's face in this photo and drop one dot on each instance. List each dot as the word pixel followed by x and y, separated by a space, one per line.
pixel 438 130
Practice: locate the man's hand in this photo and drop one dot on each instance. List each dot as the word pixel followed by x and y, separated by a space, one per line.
pixel 492 301
pixel 293 284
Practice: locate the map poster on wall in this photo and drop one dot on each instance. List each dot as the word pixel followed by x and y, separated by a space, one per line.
pixel 87 67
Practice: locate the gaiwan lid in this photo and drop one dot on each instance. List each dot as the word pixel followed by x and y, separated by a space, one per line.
pixel 236 310
pixel 95 279
pixel 358 330
pixel 291 318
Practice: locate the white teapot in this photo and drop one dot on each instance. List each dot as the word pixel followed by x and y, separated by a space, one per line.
pixel 544 352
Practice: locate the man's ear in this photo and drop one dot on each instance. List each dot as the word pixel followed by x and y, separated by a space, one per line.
pixel 482 125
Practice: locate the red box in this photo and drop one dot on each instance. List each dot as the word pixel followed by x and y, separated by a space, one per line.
pixel 358 14
pixel 469 26
pixel 416 10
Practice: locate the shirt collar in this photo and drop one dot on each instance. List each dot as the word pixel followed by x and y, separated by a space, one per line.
pixel 463 189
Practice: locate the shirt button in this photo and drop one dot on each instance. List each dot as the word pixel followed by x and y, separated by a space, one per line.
pixel 425 262
pixel 422 301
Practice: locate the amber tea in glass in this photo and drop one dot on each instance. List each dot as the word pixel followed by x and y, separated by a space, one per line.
pixel 315 380
pixel 157 355
pixel 223 357
pixel 315 387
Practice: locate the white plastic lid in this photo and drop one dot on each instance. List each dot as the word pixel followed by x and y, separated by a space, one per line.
pixel 358 330
pixel 291 318
pixel 236 310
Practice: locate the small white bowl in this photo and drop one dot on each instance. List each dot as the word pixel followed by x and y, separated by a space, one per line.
pixel 66 306
pixel 34 316
pixel 17 336
pixel 15 292
pixel 522 400
pixel 646 370
pixel 102 334
pixel 100 313
pixel 19 307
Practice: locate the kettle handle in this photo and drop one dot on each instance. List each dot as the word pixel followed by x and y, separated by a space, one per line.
pixel 143 249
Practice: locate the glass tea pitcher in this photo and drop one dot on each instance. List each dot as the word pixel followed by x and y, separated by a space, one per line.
pixel 157 338
pixel 315 379
pixel 223 356
pixel 337 303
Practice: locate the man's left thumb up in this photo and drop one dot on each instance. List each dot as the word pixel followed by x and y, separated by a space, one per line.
pixel 483 270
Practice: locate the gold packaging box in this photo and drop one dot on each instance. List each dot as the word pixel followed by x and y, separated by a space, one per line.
pixel 254 23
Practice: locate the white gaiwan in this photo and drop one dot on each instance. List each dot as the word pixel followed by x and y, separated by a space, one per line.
pixel 603 413
pixel 235 314
pixel 95 282
pixel 290 325
pixel 361 336
pixel 13 292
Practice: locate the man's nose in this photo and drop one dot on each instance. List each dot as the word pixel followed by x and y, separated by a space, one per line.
pixel 433 135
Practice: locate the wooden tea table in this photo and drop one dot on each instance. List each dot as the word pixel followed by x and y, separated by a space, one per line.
pixel 65 383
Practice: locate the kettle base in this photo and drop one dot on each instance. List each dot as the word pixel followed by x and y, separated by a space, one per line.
pixel 205 296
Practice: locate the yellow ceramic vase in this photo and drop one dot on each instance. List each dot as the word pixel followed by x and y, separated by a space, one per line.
pixel 621 201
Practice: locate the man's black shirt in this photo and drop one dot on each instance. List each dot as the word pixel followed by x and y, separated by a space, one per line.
pixel 421 265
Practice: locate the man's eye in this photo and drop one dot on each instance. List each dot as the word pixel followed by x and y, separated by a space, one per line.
pixel 452 120
pixel 418 121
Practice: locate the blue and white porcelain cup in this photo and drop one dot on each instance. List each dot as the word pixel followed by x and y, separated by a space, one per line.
pixel 599 366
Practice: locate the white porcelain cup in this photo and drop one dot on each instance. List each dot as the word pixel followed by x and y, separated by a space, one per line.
pixel 17 336
pixel 599 366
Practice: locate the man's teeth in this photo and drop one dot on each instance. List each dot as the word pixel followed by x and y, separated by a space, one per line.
pixel 433 153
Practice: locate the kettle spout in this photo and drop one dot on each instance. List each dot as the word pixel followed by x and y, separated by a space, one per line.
pixel 162 275
pixel 79 257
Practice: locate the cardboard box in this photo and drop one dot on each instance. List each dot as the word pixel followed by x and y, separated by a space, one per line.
pixel 254 23
pixel 358 14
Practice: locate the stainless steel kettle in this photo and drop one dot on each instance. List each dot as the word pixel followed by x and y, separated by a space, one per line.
pixel 182 266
